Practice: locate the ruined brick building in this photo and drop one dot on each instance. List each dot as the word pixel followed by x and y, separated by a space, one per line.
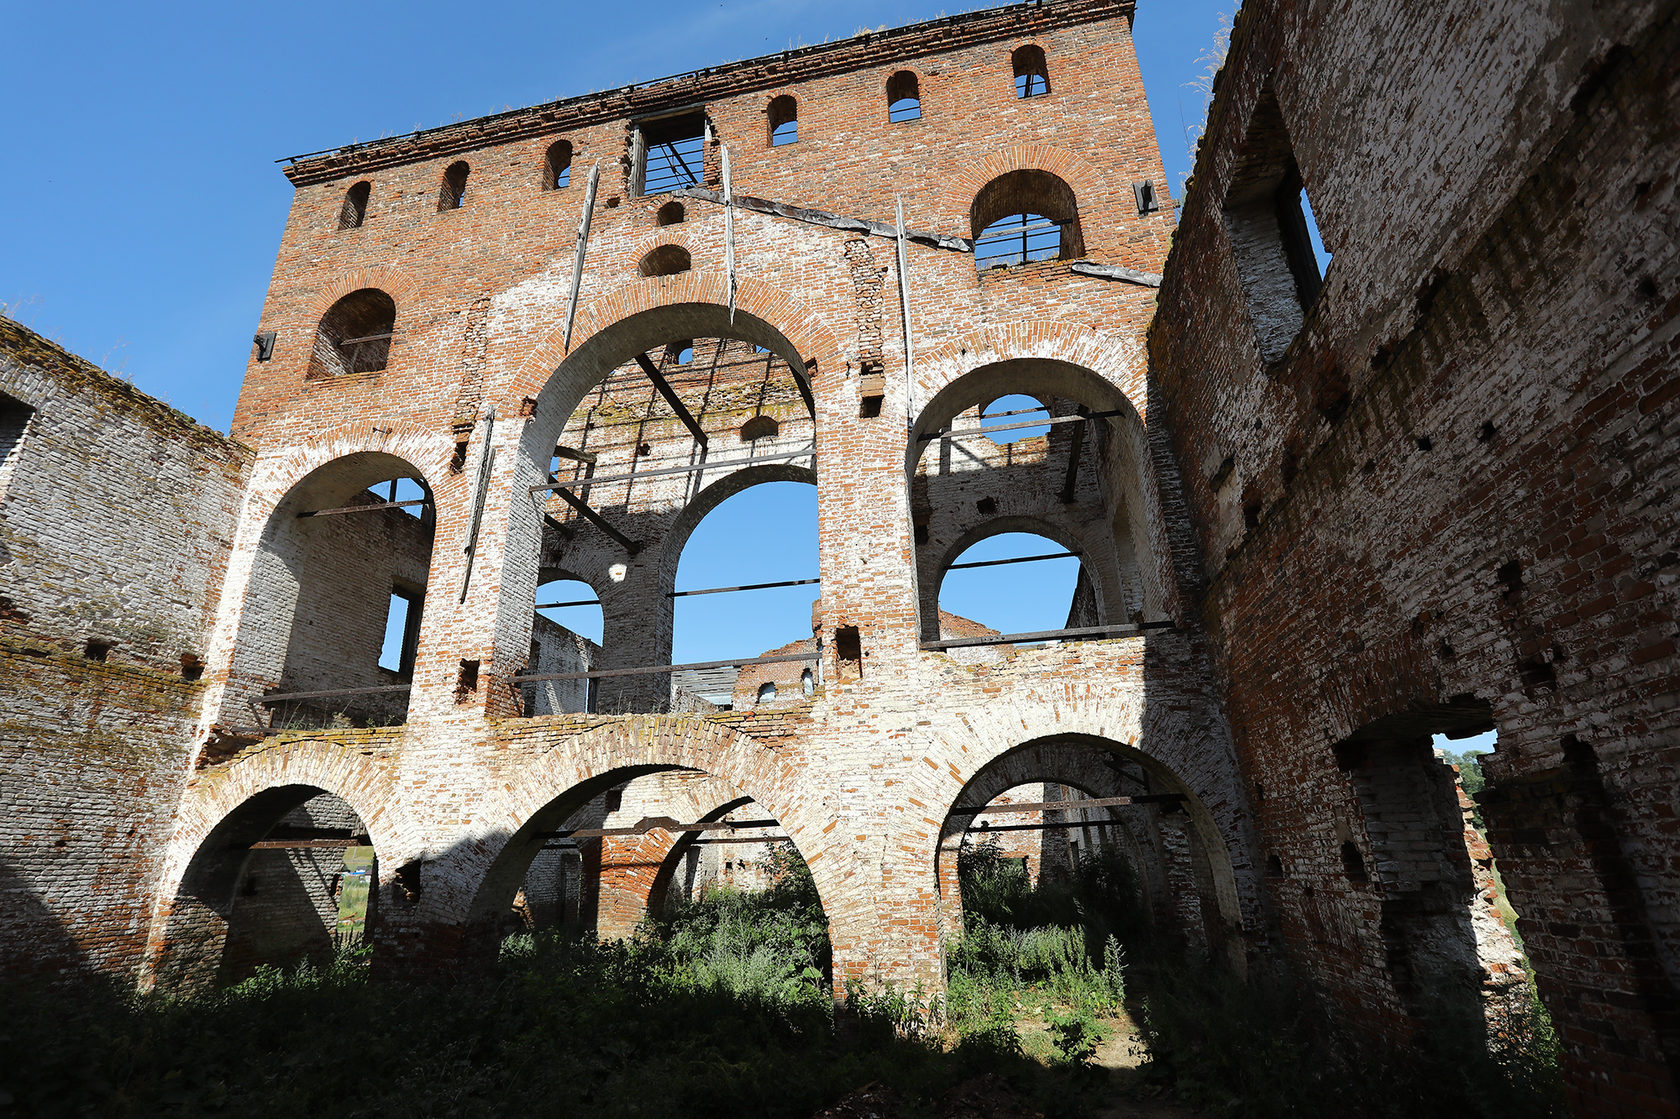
pixel 1320 517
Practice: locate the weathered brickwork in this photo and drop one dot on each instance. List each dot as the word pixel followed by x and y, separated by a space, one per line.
pixel 1442 499
pixel 116 514
pixel 1434 496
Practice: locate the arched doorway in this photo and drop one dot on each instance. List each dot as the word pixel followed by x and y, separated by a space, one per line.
pixel 329 633
pixel 289 875
pixel 1044 447
pixel 1112 797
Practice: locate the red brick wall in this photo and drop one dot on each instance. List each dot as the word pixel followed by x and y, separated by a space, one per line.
pixel 1449 500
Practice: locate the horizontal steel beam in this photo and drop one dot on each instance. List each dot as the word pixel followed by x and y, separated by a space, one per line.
pixel 704 590
pixel 658 823
pixel 1041 635
pixel 1014 559
pixel 1054 421
pixel 661 471
pixel 366 508
pixel 1067 805
pixel 604 673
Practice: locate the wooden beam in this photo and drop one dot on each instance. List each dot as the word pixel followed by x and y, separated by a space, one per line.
pixel 575 455
pixel 672 399
pixel 600 522
pixel 1074 449
pixel 582 248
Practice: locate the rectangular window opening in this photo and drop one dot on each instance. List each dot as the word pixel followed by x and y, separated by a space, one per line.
pixel 848 650
pixel 15 416
pixel 402 631
pixel 467 682
pixel 670 153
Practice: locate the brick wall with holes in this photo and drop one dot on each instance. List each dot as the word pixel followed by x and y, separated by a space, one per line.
pixel 1441 498
pixel 480 385
pixel 116 514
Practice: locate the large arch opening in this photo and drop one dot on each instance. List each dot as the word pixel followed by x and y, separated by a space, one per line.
pixel 1121 814
pixel 1049 448
pixel 289 875
pixel 665 851
pixel 329 635
pixel 640 431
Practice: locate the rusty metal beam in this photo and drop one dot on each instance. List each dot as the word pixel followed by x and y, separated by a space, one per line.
pixel 690 468
pixel 659 823
pixel 1053 421
pixel 604 673
pixel 1087 632
pixel 365 508
pixel 672 399
pixel 310 844
pixel 1067 805
pixel 600 522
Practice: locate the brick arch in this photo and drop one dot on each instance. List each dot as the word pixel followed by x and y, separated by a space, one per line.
pixel 1119 361
pixel 659 237
pixel 813 340
pixel 402 289
pixel 1073 758
pixel 1180 743
pixel 541 793
pixel 275 475
pixel 363 778
pixel 1063 164
pixel 932 570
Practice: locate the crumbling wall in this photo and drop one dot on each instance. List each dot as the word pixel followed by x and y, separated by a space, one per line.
pixel 1447 495
pixel 115 517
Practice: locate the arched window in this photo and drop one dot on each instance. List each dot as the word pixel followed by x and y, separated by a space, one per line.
pixel 354 335
pixel 784 121
pixel 666 260
pixel 453 194
pixel 904 97
pixel 680 353
pixel 807 682
pixel 1014 582
pixel 672 213
pixel 760 427
pixel 767 691
pixel 557 165
pixel 1024 216
pixel 355 206
pixel 1032 79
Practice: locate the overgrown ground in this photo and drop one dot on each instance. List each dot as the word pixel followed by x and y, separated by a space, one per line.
pixel 721 1008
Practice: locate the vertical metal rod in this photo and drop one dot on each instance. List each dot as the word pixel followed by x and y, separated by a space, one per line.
pixel 582 249
pixel 904 307
pixel 486 462
pixel 729 232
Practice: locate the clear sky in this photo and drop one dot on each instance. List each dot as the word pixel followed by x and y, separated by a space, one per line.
pixel 143 205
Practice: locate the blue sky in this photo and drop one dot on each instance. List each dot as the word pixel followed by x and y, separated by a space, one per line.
pixel 143 205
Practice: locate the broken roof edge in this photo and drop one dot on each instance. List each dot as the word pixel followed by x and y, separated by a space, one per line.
pixel 24 349
pixel 936 36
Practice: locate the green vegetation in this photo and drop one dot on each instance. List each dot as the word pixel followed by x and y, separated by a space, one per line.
pixel 721 1007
